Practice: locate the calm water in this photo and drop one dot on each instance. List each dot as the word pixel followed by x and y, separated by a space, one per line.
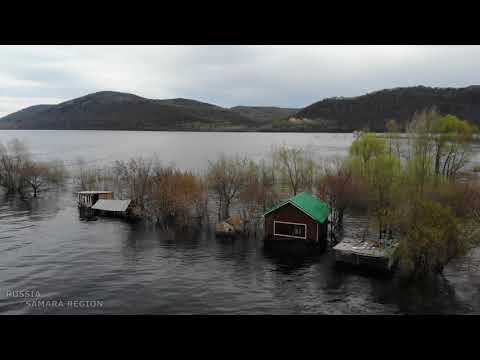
pixel 122 268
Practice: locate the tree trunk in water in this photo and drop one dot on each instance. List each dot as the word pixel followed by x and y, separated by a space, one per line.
pixel 340 219
pixel 226 210
pixel 437 162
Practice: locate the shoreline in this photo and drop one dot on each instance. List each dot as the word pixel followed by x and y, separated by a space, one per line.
pixel 199 130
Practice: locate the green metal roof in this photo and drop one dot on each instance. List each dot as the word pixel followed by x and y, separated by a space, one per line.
pixel 311 206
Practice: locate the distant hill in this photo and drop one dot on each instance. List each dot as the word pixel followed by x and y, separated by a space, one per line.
pixel 108 110
pixel 264 114
pixel 12 120
pixel 373 109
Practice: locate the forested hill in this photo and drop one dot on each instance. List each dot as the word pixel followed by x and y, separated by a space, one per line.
pixel 264 114
pixel 108 110
pixel 373 109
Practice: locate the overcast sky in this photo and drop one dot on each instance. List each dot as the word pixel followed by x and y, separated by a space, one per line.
pixel 288 76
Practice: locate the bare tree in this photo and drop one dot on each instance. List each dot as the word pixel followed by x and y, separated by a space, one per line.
pixel 336 187
pixel 134 178
pixel 257 194
pixel 92 177
pixel 226 176
pixel 177 197
pixel 13 159
pixel 40 175
pixel 295 166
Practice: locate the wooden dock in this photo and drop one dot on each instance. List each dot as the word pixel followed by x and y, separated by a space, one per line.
pixel 364 255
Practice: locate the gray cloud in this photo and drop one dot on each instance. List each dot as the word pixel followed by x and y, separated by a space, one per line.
pixel 290 76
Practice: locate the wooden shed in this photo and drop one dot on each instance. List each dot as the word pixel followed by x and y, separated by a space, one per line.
pixel 89 198
pixel 302 217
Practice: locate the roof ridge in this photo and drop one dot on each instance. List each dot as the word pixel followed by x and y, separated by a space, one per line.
pixel 307 203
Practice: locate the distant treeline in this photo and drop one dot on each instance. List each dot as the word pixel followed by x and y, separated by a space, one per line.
pixel 374 109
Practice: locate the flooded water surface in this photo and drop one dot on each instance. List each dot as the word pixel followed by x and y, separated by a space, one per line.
pixel 54 262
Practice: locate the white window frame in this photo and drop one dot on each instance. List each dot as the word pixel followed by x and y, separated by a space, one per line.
pixel 290 223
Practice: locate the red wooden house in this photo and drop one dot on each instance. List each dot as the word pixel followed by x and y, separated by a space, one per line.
pixel 302 217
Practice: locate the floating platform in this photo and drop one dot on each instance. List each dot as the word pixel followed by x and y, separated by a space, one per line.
pixel 364 255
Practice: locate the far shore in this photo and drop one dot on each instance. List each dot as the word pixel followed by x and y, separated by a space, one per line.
pixel 205 130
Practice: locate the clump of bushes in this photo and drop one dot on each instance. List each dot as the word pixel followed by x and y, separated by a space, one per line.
pixel 414 194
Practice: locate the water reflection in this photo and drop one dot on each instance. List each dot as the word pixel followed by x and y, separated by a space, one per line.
pixel 290 256
pixel 435 295
pixel 190 271
pixel 87 214
pixel 46 243
pixel 13 207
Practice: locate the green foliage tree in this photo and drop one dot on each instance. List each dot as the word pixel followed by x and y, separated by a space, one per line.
pixel 416 199
pixel 364 148
pixel 430 231
pixel 445 140
pixel 384 179
pixel 393 137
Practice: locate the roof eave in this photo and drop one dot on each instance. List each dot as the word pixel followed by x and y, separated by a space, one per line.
pixel 299 208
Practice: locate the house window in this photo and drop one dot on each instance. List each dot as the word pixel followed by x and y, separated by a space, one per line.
pixel 288 229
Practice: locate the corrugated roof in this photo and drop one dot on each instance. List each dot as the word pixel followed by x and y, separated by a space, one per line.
pixel 308 204
pixel 111 205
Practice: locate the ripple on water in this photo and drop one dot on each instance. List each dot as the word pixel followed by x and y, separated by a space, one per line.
pixel 135 269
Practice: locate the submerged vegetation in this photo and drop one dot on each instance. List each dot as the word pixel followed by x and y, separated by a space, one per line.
pixel 20 174
pixel 414 189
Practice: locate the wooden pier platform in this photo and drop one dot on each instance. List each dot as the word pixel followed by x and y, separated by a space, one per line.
pixel 364 255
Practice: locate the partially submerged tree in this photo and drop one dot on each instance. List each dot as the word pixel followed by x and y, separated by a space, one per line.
pixel 257 193
pixel 384 180
pixel 19 171
pixel 177 197
pixel 226 177
pixel 380 171
pixel 446 140
pixel 337 188
pixel 364 148
pixel 134 179
pixel 393 137
pixel 92 177
pixel 296 167
pixel 13 159
pixel 429 233
pixel 40 175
